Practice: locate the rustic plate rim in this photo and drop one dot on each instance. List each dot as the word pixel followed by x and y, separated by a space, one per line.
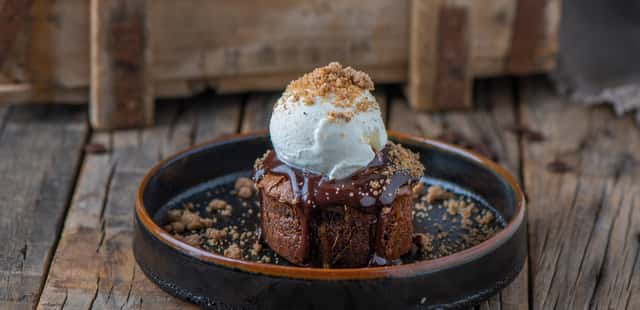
pixel 363 273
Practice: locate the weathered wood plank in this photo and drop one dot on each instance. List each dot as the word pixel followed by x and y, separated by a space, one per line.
pixel 208 40
pixel 487 129
pixel 382 97
pixel 121 82
pixel 583 201
pixel 220 115
pixel 278 81
pixel 257 111
pixel 453 86
pixel 4 109
pixel 13 14
pixel 93 267
pixel 40 150
pixel 513 297
pixel 495 17
pixel 620 276
pixel 422 52
pixel 529 29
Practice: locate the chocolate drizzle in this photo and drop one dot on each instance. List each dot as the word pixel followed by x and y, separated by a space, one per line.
pixel 393 173
pixel 369 189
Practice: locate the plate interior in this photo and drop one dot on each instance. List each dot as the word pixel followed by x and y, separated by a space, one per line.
pixel 439 228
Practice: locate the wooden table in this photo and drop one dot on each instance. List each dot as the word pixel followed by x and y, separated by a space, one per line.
pixel 66 216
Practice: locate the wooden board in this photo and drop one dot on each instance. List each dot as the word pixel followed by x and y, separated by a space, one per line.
pixel 439 55
pixel 211 40
pixel 528 33
pixel 453 76
pixel 121 82
pixel 486 128
pixel 40 151
pixel 581 175
pixel 584 203
pixel 270 82
pixel 13 14
pixel 94 267
pixel 423 52
pixel 382 95
pixel 257 111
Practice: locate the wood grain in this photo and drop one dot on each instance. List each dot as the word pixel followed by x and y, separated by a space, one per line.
pixel 93 267
pixel 453 86
pixel 527 33
pixel 278 81
pixel 40 151
pixel 210 40
pixel 121 81
pixel 257 111
pixel 13 15
pixel 495 17
pixel 423 53
pixel 487 125
pixel 583 219
pixel 382 97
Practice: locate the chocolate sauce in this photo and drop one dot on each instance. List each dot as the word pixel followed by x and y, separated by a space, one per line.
pixel 314 190
pixel 369 190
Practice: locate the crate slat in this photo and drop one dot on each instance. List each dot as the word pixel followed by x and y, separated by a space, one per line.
pixel 121 90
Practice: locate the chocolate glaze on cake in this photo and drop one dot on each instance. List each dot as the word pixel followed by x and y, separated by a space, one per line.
pixel 313 190
pixel 359 220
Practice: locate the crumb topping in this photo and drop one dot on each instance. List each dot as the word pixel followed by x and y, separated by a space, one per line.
pixel 435 193
pixel 398 161
pixel 221 206
pixel 233 251
pixel 202 224
pixel 424 241
pixel 346 84
pixel 209 226
pixel 259 164
pixel 340 115
pixel 402 159
pixel 437 204
pixel 244 188
pixel 395 171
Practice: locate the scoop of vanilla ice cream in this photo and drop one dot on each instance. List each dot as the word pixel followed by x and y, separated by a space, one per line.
pixel 325 133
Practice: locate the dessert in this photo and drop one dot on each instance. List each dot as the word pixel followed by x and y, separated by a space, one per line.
pixel 444 223
pixel 334 192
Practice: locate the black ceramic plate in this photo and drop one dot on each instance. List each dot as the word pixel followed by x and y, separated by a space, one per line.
pixel 217 282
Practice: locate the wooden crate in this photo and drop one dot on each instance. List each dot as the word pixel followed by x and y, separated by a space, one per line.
pixel 123 53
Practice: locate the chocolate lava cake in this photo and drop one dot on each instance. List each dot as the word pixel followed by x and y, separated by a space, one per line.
pixel 364 219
